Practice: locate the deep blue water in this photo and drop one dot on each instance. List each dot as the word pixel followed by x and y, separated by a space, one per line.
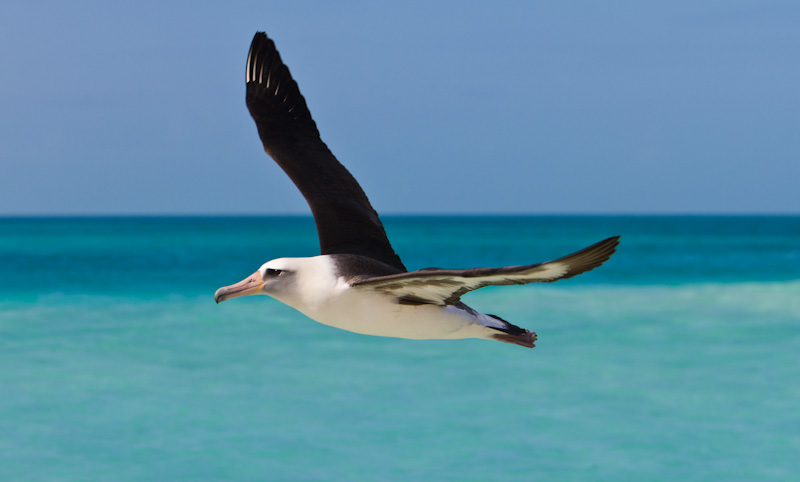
pixel 677 359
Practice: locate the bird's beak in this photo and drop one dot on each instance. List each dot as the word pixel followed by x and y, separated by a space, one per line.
pixel 248 286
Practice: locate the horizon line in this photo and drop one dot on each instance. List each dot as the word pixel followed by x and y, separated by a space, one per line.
pixel 398 215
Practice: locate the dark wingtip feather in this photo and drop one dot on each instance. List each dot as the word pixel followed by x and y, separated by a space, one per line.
pixel 273 98
pixel 589 258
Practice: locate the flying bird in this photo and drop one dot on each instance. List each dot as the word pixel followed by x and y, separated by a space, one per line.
pixel 358 283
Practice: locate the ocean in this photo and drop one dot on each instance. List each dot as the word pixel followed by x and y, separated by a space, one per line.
pixel 679 359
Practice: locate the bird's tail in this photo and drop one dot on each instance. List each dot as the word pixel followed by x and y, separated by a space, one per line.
pixel 510 333
pixel 526 339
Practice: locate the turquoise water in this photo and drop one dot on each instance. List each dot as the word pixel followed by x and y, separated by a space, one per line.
pixel 677 360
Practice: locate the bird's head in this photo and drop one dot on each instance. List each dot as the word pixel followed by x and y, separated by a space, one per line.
pixel 274 278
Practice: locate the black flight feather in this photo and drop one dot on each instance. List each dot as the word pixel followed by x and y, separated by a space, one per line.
pixel 346 222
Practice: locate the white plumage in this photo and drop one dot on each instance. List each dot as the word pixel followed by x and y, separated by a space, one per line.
pixel 359 283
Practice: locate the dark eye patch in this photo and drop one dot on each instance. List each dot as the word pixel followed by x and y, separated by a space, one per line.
pixel 271 273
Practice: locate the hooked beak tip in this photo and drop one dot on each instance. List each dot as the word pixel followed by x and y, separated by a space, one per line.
pixel 219 296
pixel 248 286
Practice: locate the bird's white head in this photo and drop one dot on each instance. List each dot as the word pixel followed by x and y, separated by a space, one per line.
pixel 275 278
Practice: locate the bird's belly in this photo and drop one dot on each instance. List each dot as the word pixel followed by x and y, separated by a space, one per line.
pixel 379 315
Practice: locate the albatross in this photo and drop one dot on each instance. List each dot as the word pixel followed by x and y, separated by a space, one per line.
pixel 358 283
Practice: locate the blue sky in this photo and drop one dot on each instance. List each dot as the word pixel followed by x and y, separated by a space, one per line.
pixel 436 107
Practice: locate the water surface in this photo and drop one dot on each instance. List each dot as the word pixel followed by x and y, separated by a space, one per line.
pixel 678 359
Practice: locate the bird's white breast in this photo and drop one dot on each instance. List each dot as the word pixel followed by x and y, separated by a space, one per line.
pixel 371 313
pixel 327 298
pixel 319 293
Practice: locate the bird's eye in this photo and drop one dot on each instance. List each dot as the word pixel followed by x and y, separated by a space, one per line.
pixel 271 273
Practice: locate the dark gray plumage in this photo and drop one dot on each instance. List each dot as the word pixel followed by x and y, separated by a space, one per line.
pixel 359 283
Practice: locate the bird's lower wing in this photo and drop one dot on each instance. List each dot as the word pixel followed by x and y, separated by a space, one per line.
pixel 446 286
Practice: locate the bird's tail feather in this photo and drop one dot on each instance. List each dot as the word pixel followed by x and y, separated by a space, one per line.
pixel 525 339
pixel 510 333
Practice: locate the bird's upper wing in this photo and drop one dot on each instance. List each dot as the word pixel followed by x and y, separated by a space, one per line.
pixel 446 286
pixel 346 222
